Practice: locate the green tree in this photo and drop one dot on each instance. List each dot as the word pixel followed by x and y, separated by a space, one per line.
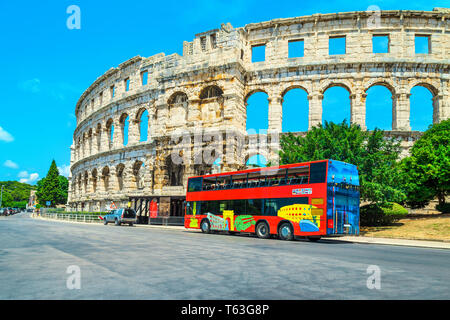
pixel 426 173
pixel 49 188
pixel 15 193
pixel 375 155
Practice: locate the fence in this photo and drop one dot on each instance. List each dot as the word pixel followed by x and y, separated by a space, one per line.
pixel 68 217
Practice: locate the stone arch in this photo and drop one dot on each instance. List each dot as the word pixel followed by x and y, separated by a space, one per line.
pixel 325 85
pixel 138 174
pixel 430 85
pixel 120 175
pixel 174 172
pixel 378 103
pixel 211 91
pixel 251 153
pixel 253 91
pixel 292 97
pixel 98 134
pixel 211 104
pixel 422 112
pixel 105 178
pixel 94 177
pixel 257 111
pixel 339 112
pixel 142 120
pixel 387 83
pixel 90 137
pixel 109 127
pixel 178 108
pixel 292 87
pixel 86 182
pixel 124 121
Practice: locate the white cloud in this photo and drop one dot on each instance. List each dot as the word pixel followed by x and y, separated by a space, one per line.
pixel 5 136
pixel 33 85
pixel 10 164
pixel 30 179
pixel 23 174
pixel 64 170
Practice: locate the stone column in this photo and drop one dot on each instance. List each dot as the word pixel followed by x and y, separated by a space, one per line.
pixel 358 109
pixel 400 112
pixel 275 114
pixel 117 135
pixel 94 145
pixel 315 109
pixel 133 131
pixel 441 108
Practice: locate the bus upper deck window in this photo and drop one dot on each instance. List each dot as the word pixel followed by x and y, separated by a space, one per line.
pixel 318 172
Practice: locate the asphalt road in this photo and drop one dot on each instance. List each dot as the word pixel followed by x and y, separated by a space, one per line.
pixel 148 263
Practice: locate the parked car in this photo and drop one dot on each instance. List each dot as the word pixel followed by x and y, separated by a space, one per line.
pixel 3 212
pixel 119 216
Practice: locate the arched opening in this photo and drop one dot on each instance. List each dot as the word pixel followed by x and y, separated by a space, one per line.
pixel 120 175
pixel 336 104
pixel 174 172
pixel 178 108
pixel 138 174
pixel 124 127
pixel 257 113
pixel 94 180
pixel 379 108
pixel 211 92
pixel 86 182
pixel 110 132
pixel 143 125
pixel 295 110
pixel 105 178
pixel 256 161
pixel 211 104
pixel 90 138
pixel 421 108
pixel 99 137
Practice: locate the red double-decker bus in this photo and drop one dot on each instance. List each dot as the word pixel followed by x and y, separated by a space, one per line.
pixel 311 199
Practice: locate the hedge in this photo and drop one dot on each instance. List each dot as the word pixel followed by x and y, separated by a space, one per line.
pixel 376 215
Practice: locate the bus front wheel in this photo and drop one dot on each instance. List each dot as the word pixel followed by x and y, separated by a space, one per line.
pixel 285 231
pixel 262 230
pixel 205 226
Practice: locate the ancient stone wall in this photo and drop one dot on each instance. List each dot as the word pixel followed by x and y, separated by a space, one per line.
pixel 206 90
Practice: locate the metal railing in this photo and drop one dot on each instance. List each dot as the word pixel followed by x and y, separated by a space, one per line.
pixel 68 217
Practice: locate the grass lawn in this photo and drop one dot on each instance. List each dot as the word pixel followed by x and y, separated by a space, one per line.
pixel 423 227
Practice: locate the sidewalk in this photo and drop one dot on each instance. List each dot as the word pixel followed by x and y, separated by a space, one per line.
pixel 396 242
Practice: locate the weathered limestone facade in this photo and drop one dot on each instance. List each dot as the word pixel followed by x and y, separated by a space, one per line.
pixel 207 88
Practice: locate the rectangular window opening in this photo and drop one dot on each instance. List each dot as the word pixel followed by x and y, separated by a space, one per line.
pixel 380 43
pixel 144 77
pixel 259 53
pixel 127 84
pixel 336 45
pixel 422 44
pixel 296 48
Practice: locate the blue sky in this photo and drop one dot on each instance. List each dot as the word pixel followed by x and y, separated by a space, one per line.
pixel 46 67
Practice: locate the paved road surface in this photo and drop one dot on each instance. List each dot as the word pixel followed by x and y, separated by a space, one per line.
pixel 148 263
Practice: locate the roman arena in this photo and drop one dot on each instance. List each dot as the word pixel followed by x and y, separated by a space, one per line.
pixel 144 127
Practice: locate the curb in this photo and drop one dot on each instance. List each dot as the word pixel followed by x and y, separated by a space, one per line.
pixel 396 242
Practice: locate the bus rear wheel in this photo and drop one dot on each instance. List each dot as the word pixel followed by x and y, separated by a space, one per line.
pixel 285 231
pixel 205 226
pixel 262 230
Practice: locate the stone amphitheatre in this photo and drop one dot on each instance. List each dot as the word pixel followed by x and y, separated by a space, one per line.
pixel 194 106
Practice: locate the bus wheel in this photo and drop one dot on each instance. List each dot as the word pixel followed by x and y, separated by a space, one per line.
pixel 262 230
pixel 285 231
pixel 314 238
pixel 205 226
